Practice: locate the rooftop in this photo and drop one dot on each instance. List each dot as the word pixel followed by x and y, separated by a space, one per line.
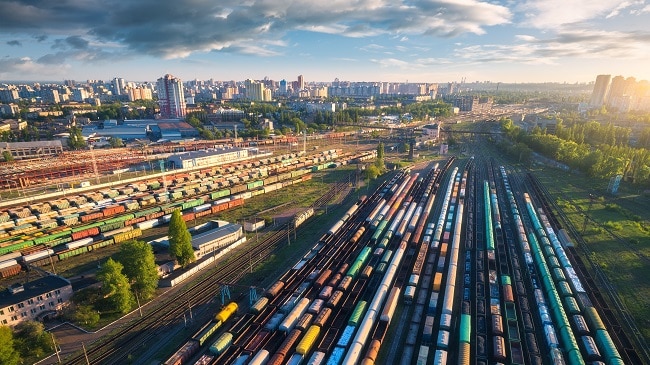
pixel 216 233
pixel 33 289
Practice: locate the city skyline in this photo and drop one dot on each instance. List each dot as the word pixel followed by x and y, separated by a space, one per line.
pixel 392 41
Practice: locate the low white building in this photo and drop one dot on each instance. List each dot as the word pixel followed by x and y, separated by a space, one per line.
pixel 211 157
pixel 431 131
pixel 219 234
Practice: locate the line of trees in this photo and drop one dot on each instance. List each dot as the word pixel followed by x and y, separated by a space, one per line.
pixel 598 151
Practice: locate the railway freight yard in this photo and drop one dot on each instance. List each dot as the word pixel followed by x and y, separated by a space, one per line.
pixel 457 261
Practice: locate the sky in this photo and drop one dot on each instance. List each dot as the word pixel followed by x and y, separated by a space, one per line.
pixel 352 40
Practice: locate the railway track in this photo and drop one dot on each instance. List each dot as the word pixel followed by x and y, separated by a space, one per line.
pixel 620 335
pixel 138 333
pixel 523 181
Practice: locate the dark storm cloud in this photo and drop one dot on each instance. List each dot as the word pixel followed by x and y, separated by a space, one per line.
pixel 176 28
pixel 77 42
pixel 14 43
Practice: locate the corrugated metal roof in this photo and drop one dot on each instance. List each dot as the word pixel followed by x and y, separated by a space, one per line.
pixel 215 234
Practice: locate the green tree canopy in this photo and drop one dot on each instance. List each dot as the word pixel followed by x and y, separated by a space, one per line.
pixel 115 287
pixel 140 267
pixel 180 240
pixel 7 156
pixel 76 140
pixel 372 171
pixel 86 315
pixel 380 157
pixel 116 142
pixel 32 340
pixel 8 355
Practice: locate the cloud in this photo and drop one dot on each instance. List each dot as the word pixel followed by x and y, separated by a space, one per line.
pixel 579 43
pixel 394 62
pixel 77 42
pixel 643 10
pixel 553 14
pixel 622 6
pixel 14 43
pixel 11 66
pixel 178 28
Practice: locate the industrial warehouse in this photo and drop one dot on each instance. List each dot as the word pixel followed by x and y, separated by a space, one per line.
pixel 210 157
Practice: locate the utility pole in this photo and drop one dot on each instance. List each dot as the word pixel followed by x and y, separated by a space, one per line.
pixel 591 202
pixel 56 348
pixel 85 353
pixel 139 306
pixel 92 154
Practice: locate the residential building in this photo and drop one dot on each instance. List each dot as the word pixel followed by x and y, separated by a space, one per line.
pixel 301 82
pixel 9 109
pixel 471 103
pixel 600 91
pixel 254 90
pixel 119 86
pixel 9 94
pixel 431 131
pixel 35 301
pixel 140 93
pixel 80 94
pixel 171 97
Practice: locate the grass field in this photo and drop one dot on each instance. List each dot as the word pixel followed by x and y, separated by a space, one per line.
pixel 617 234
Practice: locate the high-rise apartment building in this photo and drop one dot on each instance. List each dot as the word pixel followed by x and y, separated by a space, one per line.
pixel 139 93
pixel 80 94
pixel 119 84
pixel 254 90
pixel 301 82
pixel 600 91
pixel 171 97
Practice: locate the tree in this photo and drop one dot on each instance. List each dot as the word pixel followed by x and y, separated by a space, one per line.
pixel 140 267
pixel 86 315
pixel 7 156
pixel 116 142
pixel 180 240
pixel 372 172
pixel 380 157
pixel 76 140
pixel 32 340
pixel 115 287
pixel 8 355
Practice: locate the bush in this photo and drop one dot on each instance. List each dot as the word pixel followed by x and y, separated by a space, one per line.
pixel 614 226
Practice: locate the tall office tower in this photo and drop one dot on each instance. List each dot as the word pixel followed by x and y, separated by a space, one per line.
pixel 301 82
pixel 119 84
pixel 600 91
pixel 283 87
pixel 171 97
